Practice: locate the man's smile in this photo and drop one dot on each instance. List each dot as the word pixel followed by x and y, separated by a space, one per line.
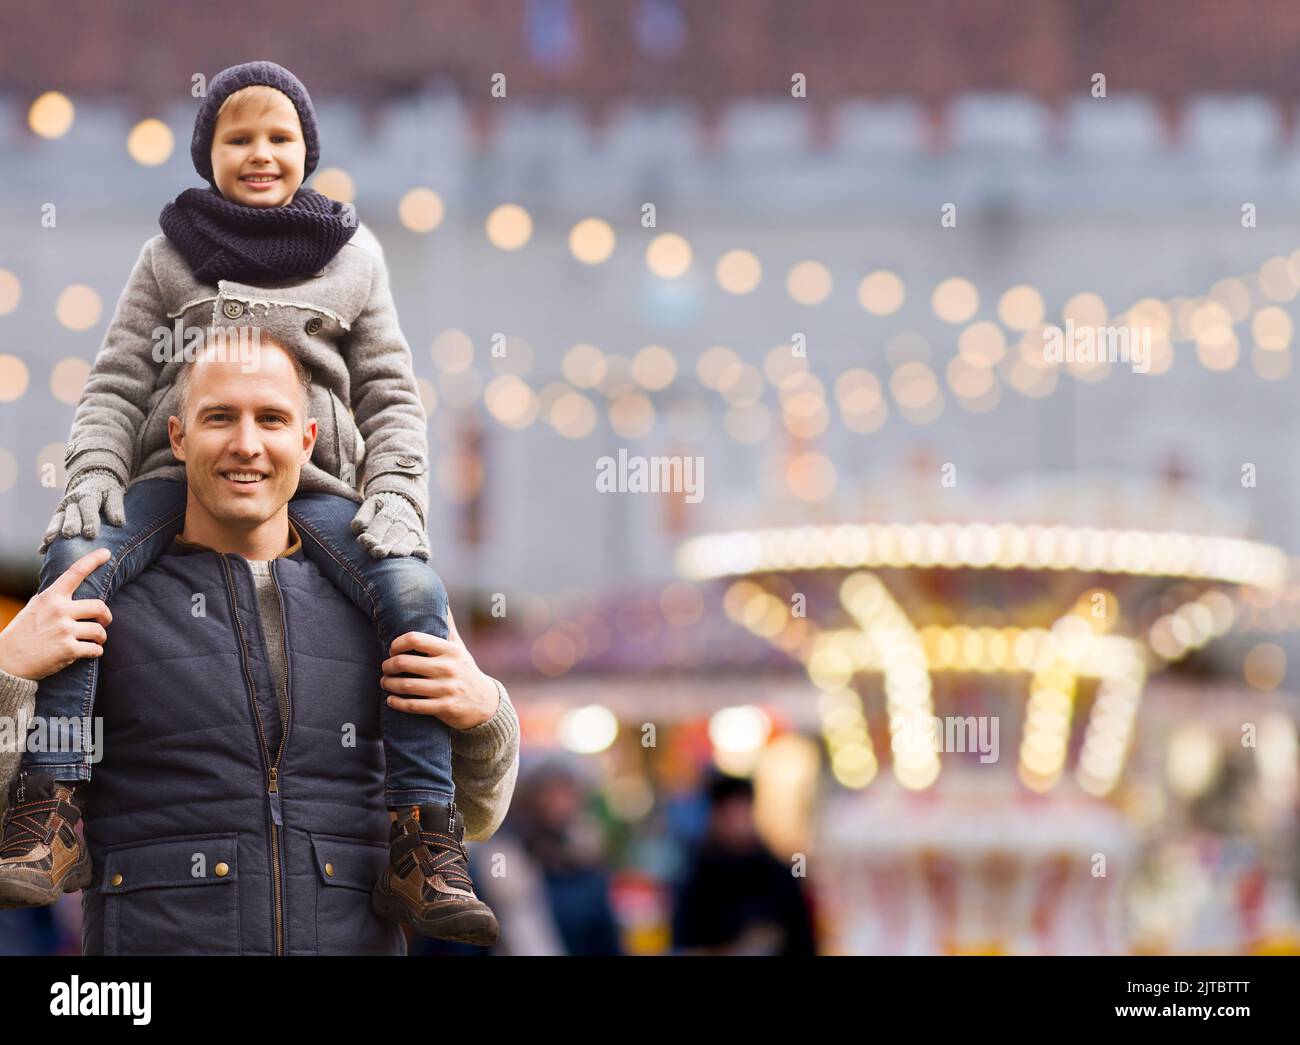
pixel 244 478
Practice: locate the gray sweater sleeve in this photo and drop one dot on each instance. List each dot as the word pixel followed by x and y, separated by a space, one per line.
pixel 112 407
pixel 385 398
pixel 17 704
pixel 484 766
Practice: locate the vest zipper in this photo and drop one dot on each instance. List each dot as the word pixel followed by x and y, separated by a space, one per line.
pixel 273 785
pixel 272 781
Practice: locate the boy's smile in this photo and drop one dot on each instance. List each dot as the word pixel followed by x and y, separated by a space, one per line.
pixel 258 152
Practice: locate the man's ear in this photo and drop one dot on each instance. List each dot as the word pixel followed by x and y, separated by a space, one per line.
pixel 176 435
pixel 308 439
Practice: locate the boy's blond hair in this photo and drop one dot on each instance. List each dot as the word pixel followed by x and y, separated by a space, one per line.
pixel 254 99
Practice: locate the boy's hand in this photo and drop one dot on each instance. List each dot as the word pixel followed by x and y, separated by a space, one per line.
pixel 89 493
pixel 387 524
pixel 54 628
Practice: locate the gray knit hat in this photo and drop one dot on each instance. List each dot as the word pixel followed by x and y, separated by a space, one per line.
pixel 236 78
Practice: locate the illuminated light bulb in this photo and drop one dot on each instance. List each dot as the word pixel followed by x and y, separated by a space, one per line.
pixel 587 730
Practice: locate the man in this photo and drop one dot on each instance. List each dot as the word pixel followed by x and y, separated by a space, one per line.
pixel 231 814
pixel 736 896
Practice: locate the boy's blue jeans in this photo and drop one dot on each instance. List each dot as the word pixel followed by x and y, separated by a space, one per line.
pixel 398 594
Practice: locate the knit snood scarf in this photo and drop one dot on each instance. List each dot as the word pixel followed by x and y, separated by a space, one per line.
pixel 225 240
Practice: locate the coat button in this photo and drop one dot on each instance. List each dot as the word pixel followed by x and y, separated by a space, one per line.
pixel 222 869
pixel 314 324
pixel 233 309
pixel 406 462
pixel 329 870
pixel 116 879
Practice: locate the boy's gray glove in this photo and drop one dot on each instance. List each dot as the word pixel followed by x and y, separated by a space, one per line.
pixel 89 493
pixel 389 525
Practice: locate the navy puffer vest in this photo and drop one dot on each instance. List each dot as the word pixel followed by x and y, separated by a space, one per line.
pixel 210 830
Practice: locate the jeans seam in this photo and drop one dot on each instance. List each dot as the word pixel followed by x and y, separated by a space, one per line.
pixel 92 676
pixel 334 554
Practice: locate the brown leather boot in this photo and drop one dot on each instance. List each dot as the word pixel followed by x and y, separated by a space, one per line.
pixel 426 883
pixel 41 855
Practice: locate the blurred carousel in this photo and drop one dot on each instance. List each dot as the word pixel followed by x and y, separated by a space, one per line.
pixel 981 664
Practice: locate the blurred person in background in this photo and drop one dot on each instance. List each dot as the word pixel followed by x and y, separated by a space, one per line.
pixel 552 890
pixel 736 897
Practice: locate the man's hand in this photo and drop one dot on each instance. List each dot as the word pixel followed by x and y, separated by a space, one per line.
pixel 450 687
pixel 54 629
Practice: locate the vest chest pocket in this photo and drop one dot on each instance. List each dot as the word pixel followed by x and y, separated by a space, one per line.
pixel 173 896
pixel 347 870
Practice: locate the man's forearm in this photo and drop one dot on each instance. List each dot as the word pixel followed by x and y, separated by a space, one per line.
pixel 484 766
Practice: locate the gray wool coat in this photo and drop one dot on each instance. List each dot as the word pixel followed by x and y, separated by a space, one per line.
pixel 342 324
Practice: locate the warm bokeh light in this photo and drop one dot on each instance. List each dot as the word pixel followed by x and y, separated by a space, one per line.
pixel 654 367
pixel 51 115
pixel 1085 310
pixel 718 367
pixel 150 143
pixel 738 272
pixel 13 378
pixel 583 365
pixel 573 415
pixel 632 415
pixel 955 300
pixel 809 282
pixel 1271 327
pixel 982 344
pixel 11 292
pixel 1265 666
pixel 668 255
pixel 591 241
pixel 509 227
pixel 68 379
pixel 913 385
pixel 587 730
pixel 78 307
pixel 511 401
pixel 1021 306
pixel 421 210
pixel 811 476
pixel 780 362
pixel 453 351
pixel 881 293
pixel 335 183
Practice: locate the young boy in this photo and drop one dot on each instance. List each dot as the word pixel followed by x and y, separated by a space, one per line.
pixel 258 250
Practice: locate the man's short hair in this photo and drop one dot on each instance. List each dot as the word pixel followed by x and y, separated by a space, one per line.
pixel 186 375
